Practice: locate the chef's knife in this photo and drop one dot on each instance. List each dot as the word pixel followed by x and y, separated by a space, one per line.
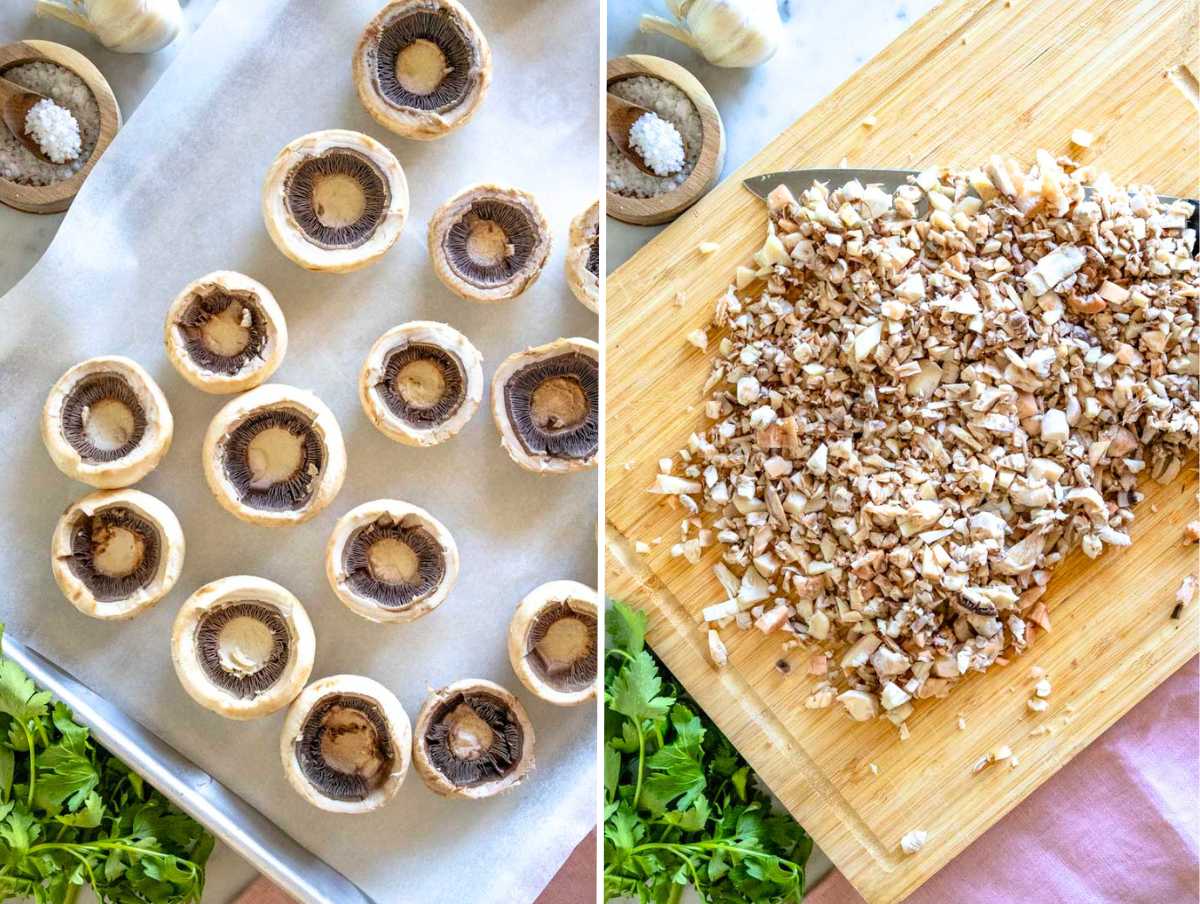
pixel 267 847
pixel 889 180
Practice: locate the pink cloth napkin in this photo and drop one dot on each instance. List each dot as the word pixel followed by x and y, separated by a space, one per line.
pixel 1120 824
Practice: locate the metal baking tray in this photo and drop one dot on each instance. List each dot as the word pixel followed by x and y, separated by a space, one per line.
pixel 262 843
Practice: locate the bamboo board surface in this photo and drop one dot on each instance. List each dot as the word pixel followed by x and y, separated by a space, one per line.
pixel 971 79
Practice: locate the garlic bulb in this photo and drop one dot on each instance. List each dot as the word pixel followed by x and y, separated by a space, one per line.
pixel 730 33
pixel 126 26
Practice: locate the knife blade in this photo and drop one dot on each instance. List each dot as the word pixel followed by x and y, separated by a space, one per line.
pixel 889 180
pixel 266 846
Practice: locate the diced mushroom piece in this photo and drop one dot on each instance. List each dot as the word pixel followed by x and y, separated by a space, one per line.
pixel 1053 268
pixel 887 661
pixel 669 485
pixel 1021 557
pixel 773 619
pixel 892 695
pixel 779 198
pixel 818 625
pixel 919 516
pixel 913 841
pixel 1054 426
pixel 860 651
pixel 718 611
pixel 867 340
pixel 861 705
pixel 1081 138
pixel 716 650
pixel 753 589
pixel 818 462
pixel 922 384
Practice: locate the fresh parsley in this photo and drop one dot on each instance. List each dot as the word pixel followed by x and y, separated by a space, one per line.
pixel 72 814
pixel 680 806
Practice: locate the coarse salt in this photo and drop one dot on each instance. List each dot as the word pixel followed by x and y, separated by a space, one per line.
pixel 55 130
pixel 658 142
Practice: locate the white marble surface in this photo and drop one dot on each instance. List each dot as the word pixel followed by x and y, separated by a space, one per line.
pixel 24 237
pixel 823 44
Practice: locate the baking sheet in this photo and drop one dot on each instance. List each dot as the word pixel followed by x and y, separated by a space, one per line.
pixel 176 196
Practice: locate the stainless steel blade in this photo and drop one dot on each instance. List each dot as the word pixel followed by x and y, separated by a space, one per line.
pixel 271 850
pixel 889 180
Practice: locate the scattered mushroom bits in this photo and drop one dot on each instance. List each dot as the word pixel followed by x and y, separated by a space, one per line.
pixel 335 200
pixel 472 740
pixel 546 404
pixel 106 422
pixel 422 67
pixel 583 257
pixel 422 381
pixel 242 646
pixel 225 333
pixel 391 561
pixel 489 243
pixel 346 744
pixel 274 455
pixel 552 642
pixel 115 553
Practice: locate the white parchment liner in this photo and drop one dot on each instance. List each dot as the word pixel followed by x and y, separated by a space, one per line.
pixel 177 196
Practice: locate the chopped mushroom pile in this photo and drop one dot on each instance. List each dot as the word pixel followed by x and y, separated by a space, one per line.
pixel 923 401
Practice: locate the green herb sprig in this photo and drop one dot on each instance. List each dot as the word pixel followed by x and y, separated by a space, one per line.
pixel 72 814
pixel 680 804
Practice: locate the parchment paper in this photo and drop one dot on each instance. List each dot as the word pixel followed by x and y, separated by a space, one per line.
pixel 176 196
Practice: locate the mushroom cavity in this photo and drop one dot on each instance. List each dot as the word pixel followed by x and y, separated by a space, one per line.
pixel 242 646
pixel 106 422
pixel 489 243
pixel 116 553
pixel 225 333
pixel 274 455
pixel 473 740
pixel 345 744
pixel 546 402
pixel 391 561
pixel 422 381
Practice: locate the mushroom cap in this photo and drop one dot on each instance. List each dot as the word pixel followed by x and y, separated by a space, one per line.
pixel 434 779
pixel 584 284
pixel 234 589
pixel 423 125
pixel 420 332
pixel 275 395
pixel 409 514
pixel 539 464
pixel 128 469
pixel 171 545
pixel 581 598
pixel 251 375
pixel 399 728
pixel 286 233
pixel 459 206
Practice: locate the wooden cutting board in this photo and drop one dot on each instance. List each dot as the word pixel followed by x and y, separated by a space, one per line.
pixel 970 79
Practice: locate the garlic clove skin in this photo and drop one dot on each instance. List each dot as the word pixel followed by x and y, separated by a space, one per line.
pixel 125 26
pixel 729 33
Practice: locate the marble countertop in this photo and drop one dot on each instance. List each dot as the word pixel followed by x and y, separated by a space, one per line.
pixel 822 45
pixel 24 237
pixel 820 50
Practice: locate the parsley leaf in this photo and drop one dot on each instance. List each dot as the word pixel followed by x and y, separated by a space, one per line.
pixel 682 807
pixel 71 814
